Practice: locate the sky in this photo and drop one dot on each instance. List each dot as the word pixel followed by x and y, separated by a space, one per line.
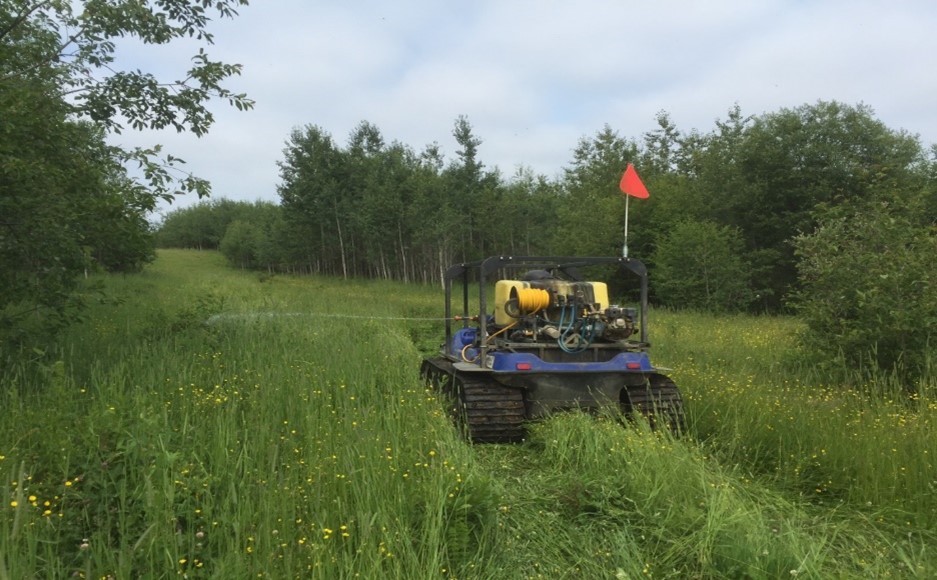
pixel 535 77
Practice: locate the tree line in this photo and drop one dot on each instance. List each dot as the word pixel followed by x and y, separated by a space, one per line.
pixel 820 209
pixel 719 230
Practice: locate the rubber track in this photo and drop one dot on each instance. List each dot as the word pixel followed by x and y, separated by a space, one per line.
pixel 485 411
pixel 657 399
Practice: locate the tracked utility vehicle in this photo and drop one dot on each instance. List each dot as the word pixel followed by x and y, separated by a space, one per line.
pixel 550 342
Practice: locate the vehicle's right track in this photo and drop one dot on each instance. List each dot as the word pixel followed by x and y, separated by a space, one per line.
pixel 658 398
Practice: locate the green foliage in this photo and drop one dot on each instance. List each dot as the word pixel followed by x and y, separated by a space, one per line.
pixel 239 244
pixel 117 231
pixel 846 441
pixel 374 208
pixel 79 62
pixel 869 289
pixel 68 203
pixel 44 181
pixel 591 209
pixel 66 209
pixel 700 265
pixel 168 439
pixel 768 174
pixel 381 210
pixel 200 226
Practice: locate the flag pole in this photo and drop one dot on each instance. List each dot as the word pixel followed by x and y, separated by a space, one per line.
pixel 631 185
pixel 624 250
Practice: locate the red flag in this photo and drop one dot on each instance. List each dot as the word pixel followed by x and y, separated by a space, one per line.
pixel 632 185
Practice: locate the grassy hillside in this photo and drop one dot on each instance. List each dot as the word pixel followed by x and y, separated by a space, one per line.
pixel 207 423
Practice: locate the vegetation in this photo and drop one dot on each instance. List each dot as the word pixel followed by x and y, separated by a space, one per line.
pixel 384 211
pixel 220 424
pixel 68 200
pixel 364 209
pixel 700 265
pixel 869 289
pixel 199 421
pixel 776 213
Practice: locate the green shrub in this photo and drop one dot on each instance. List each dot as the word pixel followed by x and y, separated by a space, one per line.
pixel 699 265
pixel 869 292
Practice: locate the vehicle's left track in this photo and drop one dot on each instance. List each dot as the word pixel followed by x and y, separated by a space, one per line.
pixel 485 410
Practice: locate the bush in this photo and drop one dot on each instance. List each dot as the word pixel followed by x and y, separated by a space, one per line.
pixel 239 244
pixel 869 291
pixel 700 265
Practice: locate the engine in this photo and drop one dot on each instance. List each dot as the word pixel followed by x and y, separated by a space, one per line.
pixel 574 314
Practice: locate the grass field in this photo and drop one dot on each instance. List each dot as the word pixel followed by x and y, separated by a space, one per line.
pixel 205 422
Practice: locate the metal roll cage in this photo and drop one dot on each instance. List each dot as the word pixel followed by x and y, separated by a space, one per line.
pixel 566 264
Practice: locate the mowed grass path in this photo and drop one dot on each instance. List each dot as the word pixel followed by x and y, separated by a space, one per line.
pixel 206 422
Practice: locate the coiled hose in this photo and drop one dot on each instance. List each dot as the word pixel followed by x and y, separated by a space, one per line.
pixel 531 300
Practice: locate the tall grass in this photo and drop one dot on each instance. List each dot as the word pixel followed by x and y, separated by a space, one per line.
pixel 870 442
pixel 642 504
pixel 285 446
pixel 207 423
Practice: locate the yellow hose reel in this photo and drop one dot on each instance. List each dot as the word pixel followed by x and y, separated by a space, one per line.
pixel 524 301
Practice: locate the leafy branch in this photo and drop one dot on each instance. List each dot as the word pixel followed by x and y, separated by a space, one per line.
pixel 72 44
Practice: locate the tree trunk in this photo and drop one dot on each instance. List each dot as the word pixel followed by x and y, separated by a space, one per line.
pixel 341 245
pixel 403 253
